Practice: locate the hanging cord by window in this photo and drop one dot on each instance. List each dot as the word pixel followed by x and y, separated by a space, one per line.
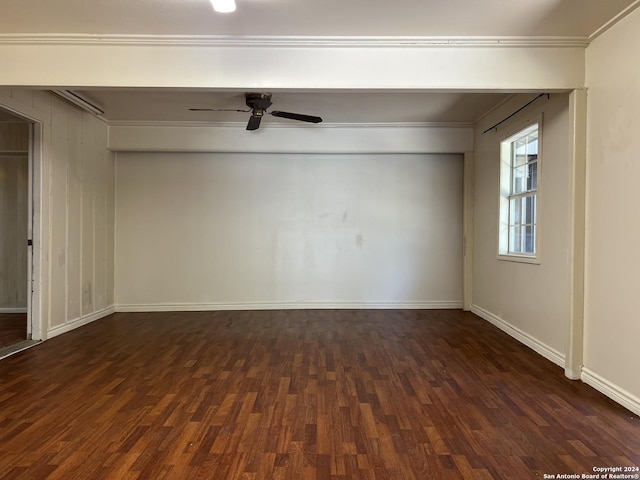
pixel 517 111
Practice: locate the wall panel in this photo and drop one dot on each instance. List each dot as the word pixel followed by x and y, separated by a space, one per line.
pixel 67 212
pixel 101 227
pixel 74 218
pixel 58 211
pixel 88 218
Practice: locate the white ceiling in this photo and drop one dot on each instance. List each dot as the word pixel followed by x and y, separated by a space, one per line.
pixel 334 107
pixel 544 19
pixel 313 17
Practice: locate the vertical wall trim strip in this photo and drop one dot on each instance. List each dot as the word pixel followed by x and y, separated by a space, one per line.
pixel 467 231
pixel 577 188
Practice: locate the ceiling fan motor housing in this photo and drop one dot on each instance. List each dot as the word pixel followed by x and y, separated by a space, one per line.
pixel 258 101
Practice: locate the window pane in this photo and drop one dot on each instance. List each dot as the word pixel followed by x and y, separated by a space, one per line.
pixel 515 239
pixel 532 175
pixel 522 210
pixel 532 144
pixel 529 239
pixel 525 178
pixel 522 224
pixel 519 152
pixel 520 159
pixel 519 184
pixel 515 211
pixel 522 239
pixel 529 207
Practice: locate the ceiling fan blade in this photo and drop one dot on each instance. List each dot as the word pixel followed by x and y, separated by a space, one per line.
pixel 254 122
pixel 217 110
pixel 296 116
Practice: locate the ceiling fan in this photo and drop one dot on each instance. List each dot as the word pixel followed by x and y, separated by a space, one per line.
pixel 258 104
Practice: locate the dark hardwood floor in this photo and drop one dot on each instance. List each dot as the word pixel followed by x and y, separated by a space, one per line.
pixel 13 328
pixel 300 395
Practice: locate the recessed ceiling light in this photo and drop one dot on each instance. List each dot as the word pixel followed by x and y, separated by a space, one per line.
pixel 224 6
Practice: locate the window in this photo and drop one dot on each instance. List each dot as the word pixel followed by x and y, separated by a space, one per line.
pixel 519 167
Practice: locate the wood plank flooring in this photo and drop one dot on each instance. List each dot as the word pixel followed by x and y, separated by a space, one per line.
pixel 316 394
pixel 13 328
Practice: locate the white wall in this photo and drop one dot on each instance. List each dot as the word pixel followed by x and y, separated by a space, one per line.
pixel 531 302
pixel 281 230
pixel 74 190
pixel 612 262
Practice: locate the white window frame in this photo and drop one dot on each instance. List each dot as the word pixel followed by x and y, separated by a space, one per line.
pixel 506 194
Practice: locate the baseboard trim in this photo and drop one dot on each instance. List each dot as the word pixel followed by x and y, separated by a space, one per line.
pixel 533 343
pixel 614 392
pixel 193 307
pixel 13 310
pixel 67 327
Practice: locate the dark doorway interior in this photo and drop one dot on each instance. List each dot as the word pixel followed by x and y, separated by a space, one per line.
pixel 14 229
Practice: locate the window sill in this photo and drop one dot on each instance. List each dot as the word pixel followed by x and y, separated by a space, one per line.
pixel 519 258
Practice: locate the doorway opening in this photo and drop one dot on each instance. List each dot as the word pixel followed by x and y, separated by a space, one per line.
pixel 16 232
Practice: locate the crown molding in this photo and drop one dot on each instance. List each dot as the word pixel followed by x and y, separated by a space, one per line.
pixel 292 41
pixel 242 125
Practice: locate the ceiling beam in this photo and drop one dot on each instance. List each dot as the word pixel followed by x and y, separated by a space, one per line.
pixel 235 66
